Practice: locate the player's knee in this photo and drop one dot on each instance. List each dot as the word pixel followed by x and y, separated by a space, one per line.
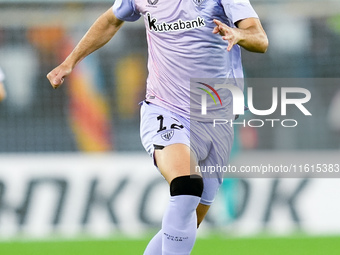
pixel 187 185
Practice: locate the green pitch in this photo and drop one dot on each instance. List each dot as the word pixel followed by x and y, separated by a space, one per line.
pixel 210 246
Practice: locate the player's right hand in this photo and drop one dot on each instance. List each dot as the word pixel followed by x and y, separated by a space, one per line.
pixel 57 75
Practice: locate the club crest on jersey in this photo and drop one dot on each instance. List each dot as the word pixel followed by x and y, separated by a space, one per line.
pixel 168 135
pixel 152 2
pixel 198 2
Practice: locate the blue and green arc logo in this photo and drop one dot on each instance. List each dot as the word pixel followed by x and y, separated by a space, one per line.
pixel 209 93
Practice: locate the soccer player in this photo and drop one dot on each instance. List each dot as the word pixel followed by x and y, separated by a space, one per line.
pixel 186 39
pixel 2 87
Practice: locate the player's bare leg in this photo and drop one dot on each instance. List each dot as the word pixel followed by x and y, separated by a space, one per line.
pixel 175 160
pixel 201 211
pixel 178 234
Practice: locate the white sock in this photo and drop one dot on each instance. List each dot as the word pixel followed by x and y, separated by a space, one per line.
pixel 155 245
pixel 179 225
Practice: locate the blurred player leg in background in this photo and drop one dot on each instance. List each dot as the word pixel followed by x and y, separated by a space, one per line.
pixel 2 87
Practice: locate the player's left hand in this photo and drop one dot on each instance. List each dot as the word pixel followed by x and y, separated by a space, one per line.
pixel 228 34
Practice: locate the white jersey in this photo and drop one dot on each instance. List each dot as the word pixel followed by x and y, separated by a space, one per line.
pixel 181 46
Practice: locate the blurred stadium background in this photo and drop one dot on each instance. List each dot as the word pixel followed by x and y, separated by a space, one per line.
pixel 72 166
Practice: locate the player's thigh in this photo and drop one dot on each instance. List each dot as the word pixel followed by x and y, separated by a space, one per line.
pixel 175 160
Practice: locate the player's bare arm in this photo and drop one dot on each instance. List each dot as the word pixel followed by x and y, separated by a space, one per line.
pixel 104 28
pixel 249 34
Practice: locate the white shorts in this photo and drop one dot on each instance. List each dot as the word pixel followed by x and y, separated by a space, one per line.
pixel 211 145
